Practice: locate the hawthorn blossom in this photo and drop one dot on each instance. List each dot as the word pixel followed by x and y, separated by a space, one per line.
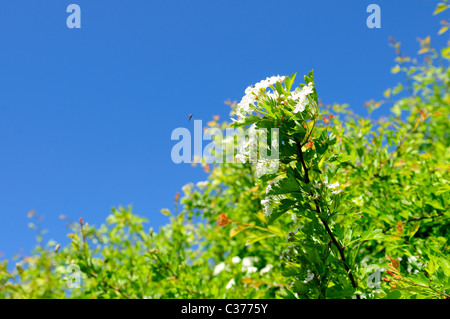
pixel 334 185
pixel 273 95
pixel 202 184
pixel 266 269
pixel 219 268
pixel 265 203
pixel 265 166
pixel 247 264
pixel 247 146
pixel 230 284
pixel 301 97
pixel 275 144
pixel 236 260
pixel 247 104
pixel 187 188
pixel 309 277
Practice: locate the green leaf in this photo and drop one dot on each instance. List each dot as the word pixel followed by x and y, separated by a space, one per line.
pixel 414 228
pixel 446 52
pixel 166 212
pixel 395 294
pixel 286 294
pixel 254 239
pixel 279 88
pixel 430 267
pixel 440 7
pixel 420 279
pixel 248 121
pixel 289 81
pixel 445 265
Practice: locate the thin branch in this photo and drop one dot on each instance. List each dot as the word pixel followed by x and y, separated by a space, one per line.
pixel 324 222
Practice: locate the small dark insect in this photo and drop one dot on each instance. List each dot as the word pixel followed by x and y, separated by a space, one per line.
pixel 190 116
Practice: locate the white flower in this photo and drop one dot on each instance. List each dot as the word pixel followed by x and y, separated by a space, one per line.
pixel 251 269
pixel 309 276
pixel 301 97
pixel 187 188
pixel 247 145
pixel 219 268
pixel 236 260
pixel 265 203
pixel 248 102
pixel 274 79
pixel 273 95
pixel 241 158
pixel 308 89
pixel 265 269
pixel 247 264
pixel 412 259
pixel 333 186
pixel 264 166
pixel 202 184
pixel 269 82
pixel 301 104
pixel 275 144
pixel 230 284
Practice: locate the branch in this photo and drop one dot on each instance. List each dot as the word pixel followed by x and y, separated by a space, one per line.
pixel 324 222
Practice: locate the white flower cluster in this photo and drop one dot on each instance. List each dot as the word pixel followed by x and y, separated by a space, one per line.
pixel 219 268
pixel 309 276
pixel 230 284
pixel 413 262
pixel 247 146
pixel 247 265
pixel 265 166
pixel 301 97
pixel 247 104
pixel 271 200
pixel 247 150
pixel 333 186
pixel 202 184
pixel 266 269
pixel 187 188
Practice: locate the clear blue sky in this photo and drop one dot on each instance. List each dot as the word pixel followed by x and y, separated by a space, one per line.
pixel 86 114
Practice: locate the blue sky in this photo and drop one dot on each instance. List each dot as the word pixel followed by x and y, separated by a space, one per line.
pixel 86 114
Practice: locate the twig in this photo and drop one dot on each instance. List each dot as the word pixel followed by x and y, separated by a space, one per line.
pixel 324 222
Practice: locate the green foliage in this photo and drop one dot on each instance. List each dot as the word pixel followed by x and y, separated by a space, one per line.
pixel 350 195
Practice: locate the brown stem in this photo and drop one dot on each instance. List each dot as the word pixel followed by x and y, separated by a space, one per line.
pixel 324 222
pixel 305 169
